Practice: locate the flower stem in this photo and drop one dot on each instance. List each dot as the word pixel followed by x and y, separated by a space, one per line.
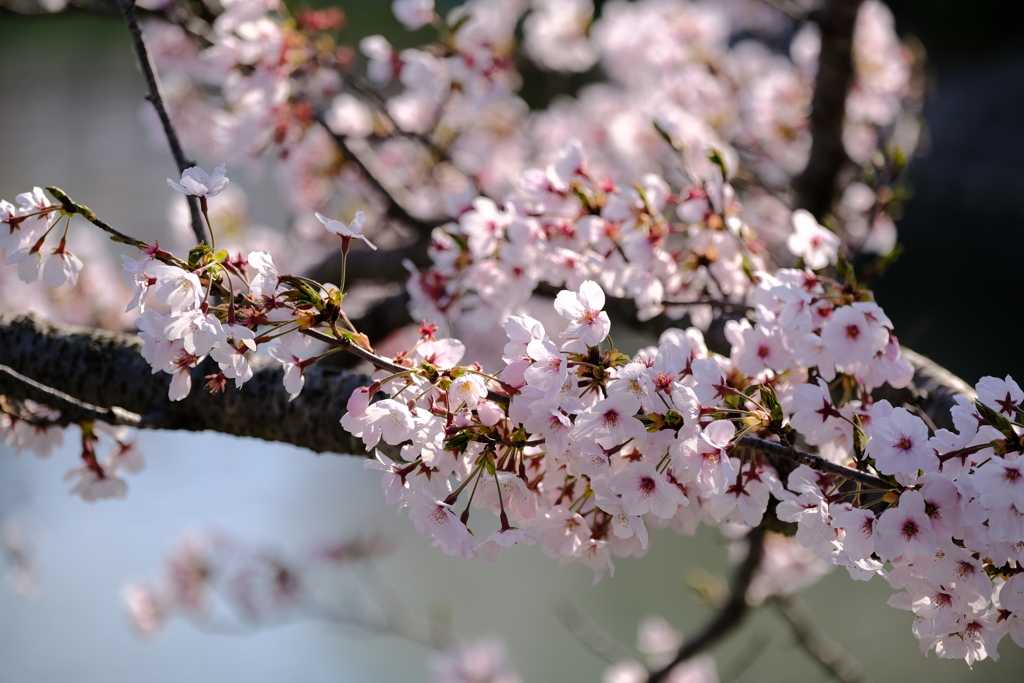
pixel 206 215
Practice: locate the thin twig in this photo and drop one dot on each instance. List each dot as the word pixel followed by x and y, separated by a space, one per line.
pixel 347 344
pixel 69 206
pixel 815 462
pixel 397 197
pixel 513 444
pixel 360 86
pixel 382 363
pixel 155 97
pixel 71 409
pixel 727 618
pixel 809 636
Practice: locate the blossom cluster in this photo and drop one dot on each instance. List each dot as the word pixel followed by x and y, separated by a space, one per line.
pixel 446 120
pixel 571 444
pixel 580 450
pixel 219 580
pixel 27 225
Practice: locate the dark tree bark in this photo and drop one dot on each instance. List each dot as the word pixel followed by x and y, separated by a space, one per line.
pixel 105 369
pixel 816 186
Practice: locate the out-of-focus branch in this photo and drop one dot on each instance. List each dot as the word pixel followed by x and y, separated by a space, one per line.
pixel 383 265
pixel 816 186
pixel 832 658
pixel 789 8
pixel 361 87
pixel 384 317
pixel 101 369
pixel 592 636
pixel 729 616
pixel 155 97
pixel 931 391
pixel 397 197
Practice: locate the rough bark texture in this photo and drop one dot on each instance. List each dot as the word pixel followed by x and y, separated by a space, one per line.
pixel 106 369
pixel 816 185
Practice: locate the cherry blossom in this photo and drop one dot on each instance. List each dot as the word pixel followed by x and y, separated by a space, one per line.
pixel 583 310
pixel 814 243
pixel 644 490
pixel 196 183
pixel 568 442
pixel 353 229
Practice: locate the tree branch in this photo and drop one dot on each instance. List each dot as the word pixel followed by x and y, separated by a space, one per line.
pixel 383 265
pixel 590 635
pixel 832 658
pixel 155 97
pixel 348 345
pixel 815 462
pixel 69 206
pixel 71 409
pixel 817 184
pixel 101 368
pixel 397 197
pixel 729 616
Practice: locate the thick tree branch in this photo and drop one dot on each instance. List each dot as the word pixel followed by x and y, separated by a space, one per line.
pixel 817 184
pixel 155 97
pixel 729 616
pixel 102 369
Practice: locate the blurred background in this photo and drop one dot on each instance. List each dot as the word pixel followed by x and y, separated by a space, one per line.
pixel 69 117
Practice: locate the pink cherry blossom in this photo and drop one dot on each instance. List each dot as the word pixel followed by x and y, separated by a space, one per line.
pixel 816 244
pixel 353 229
pixel 583 310
pixel 644 489
pixel 905 529
pixel 196 183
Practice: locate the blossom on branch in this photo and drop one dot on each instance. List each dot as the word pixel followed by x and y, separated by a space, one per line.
pixel 353 229
pixel 196 183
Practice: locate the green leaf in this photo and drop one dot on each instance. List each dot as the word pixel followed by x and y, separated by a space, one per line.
pixel 458 442
pixel 302 292
pixel 715 157
pixel 459 240
pixel 357 338
pixel 997 420
pixel 771 402
pixel 196 254
pixel 667 137
pixel 845 270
